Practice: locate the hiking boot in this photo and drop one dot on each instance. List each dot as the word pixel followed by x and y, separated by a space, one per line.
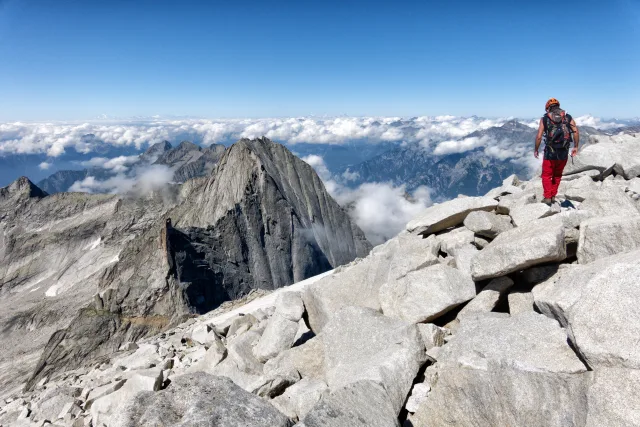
pixel 553 200
pixel 547 201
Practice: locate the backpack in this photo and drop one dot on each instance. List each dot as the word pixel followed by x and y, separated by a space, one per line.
pixel 557 129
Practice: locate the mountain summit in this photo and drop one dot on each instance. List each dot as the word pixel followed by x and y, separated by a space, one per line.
pixel 496 310
pixel 261 220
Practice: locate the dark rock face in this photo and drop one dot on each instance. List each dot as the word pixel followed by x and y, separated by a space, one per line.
pixel 155 151
pixel 263 219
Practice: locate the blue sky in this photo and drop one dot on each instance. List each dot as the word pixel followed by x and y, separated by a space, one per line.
pixel 68 60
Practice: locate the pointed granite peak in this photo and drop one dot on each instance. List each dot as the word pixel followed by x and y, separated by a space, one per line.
pixel 188 146
pixel 515 125
pixel 159 148
pixel 21 187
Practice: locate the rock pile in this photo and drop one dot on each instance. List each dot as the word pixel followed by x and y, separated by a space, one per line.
pixel 491 311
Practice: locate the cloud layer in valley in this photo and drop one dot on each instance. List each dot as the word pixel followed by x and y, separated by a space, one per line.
pixel 142 180
pixel 54 139
pixel 116 164
pixel 380 209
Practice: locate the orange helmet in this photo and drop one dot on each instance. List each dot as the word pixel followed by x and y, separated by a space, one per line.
pixel 550 102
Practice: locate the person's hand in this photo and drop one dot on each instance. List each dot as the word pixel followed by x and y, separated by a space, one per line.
pixel 536 154
pixel 574 152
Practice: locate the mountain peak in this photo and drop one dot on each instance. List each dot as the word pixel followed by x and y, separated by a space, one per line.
pixel 188 146
pixel 155 151
pixel 515 125
pixel 159 147
pixel 21 186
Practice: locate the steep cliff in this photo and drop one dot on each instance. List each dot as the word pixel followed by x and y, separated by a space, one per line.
pixel 262 219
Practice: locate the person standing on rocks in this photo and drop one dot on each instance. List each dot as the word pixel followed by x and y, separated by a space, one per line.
pixel 559 130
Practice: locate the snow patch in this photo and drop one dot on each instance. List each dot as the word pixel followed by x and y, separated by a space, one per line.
pixel 94 244
pixel 53 290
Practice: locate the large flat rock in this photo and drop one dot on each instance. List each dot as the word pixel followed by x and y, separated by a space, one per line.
pixel 412 253
pixel 598 304
pixel 200 399
pixel 611 202
pixel 357 284
pixel 581 189
pixel 537 242
pixel 507 371
pixel 487 224
pixel 454 239
pixel 449 214
pixel 359 404
pixel 525 214
pixel 617 153
pixel 527 341
pixel 278 336
pixel 602 237
pixel 299 399
pixel 613 398
pixel 108 409
pixel 362 344
pixel 488 298
pixel 504 396
pixel 426 294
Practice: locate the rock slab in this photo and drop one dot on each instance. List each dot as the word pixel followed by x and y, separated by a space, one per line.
pixel 449 214
pixel 602 237
pixel 200 399
pixel 362 344
pixel 426 294
pixel 581 296
pixel 535 243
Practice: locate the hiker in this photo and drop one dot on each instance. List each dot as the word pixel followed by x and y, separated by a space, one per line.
pixel 559 130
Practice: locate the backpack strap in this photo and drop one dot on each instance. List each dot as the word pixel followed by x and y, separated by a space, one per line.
pixel 545 123
pixel 569 120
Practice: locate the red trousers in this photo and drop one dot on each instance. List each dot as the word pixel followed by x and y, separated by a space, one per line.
pixel 551 176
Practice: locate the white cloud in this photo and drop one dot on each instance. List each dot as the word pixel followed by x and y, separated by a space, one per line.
pixel 317 163
pixel 381 210
pixel 154 177
pixel 145 180
pixel 350 176
pixel 596 122
pixel 500 153
pixel 116 164
pixel 55 139
pixel 116 184
pixel 45 165
pixel 460 145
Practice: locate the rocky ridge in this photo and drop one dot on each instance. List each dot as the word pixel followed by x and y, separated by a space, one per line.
pixel 83 273
pixel 186 161
pixel 486 311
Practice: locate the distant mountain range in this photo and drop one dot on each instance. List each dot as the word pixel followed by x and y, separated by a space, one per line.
pixel 187 161
pixel 472 172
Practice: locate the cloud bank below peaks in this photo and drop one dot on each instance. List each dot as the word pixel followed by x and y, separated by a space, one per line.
pixel 381 210
pixel 141 181
pixel 54 139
